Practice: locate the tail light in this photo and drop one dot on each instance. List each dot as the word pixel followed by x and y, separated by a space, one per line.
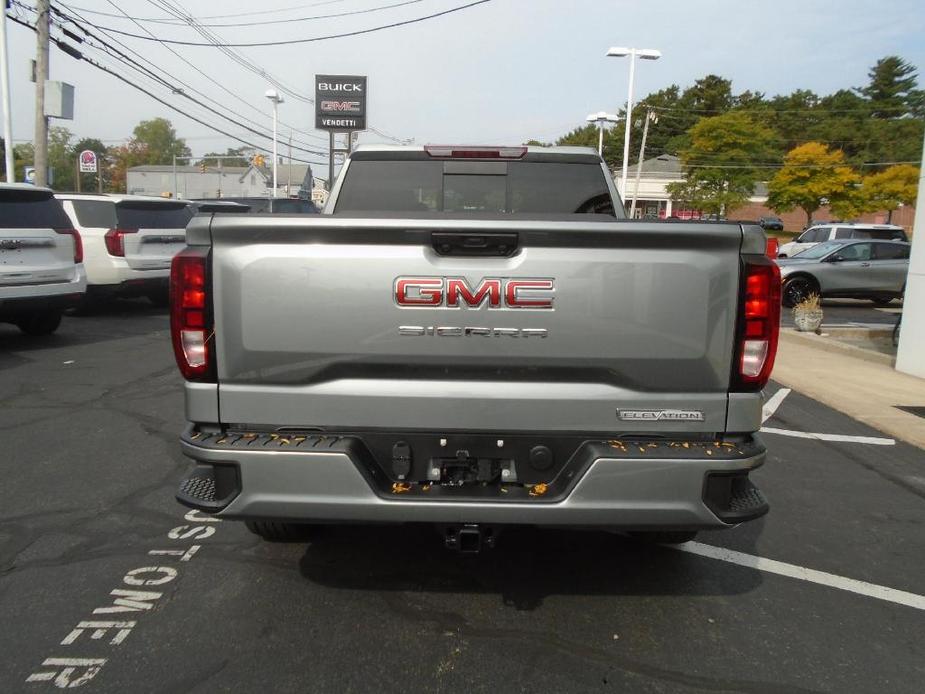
pixel 469 152
pixel 191 314
pixel 78 243
pixel 773 247
pixel 758 324
pixel 115 242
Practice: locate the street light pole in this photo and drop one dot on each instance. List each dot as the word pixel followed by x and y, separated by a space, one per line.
pixel 7 114
pixel 274 96
pixel 650 118
pixel 632 53
pixel 600 118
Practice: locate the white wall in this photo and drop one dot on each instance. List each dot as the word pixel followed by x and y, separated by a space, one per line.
pixel 911 355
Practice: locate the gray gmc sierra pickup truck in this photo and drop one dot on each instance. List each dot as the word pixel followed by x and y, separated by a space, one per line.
pixel 474 337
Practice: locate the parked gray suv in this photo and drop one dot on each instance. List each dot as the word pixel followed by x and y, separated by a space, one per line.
pixel 874 270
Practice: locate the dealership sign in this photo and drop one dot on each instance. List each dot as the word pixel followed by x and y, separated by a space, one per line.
pixel 87 160
pixel 340 102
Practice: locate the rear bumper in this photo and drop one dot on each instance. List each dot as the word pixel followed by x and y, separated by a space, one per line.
pixel 112 273
pixel 139 286
pixel 29 299
pixel 615 488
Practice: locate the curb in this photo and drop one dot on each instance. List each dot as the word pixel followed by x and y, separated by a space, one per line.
pixel 830 345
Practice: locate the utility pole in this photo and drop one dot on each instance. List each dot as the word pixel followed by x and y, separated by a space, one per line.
pixel 650 117
pixel 7 114
pixel 41 74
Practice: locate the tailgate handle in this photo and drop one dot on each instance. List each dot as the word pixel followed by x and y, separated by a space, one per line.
pixel 449 244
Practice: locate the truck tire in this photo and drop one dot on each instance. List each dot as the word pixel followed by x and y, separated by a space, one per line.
pixel 665 537
pixel 279 531
pixel 39 324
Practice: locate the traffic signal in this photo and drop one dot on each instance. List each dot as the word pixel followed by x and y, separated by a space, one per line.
pixel 202 167
pixel 259 160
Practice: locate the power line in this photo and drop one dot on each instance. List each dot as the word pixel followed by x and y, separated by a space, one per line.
pixel 154 96
pixel 176 22
pixel 217 16
pixel 223 88
pixel 126 60
pixel 234 55
pixel 215 40
pixel 289 42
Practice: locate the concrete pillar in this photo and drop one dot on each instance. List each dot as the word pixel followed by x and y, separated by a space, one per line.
pixel 668 209
pixel 910 358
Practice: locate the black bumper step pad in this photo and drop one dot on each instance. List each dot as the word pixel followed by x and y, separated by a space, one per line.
pixel 210 487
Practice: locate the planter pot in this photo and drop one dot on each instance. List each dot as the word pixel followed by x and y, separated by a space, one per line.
pixel 807 321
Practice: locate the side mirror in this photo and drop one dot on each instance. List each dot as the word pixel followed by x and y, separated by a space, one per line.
pixel 836 258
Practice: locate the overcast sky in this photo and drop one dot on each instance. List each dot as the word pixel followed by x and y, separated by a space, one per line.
pixel 500 72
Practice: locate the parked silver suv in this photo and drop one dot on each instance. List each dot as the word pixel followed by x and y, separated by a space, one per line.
pixel 41 270
pixel 874 270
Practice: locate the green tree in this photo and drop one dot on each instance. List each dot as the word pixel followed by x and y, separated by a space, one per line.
pixel 811 177
pixel 891 89
pixel 587 136
pixel 722 162
pixel 892 187
pixel 240 156
pixel 23 156
pixel 59 158
pixel 119 159
pixel 159 141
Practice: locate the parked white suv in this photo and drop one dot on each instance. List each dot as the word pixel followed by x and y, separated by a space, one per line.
pixel 129 241
pixel 841 230
pixel 40 259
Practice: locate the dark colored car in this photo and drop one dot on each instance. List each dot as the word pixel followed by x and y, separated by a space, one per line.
pixel 259 205
pixel 210 206
pixel 771 223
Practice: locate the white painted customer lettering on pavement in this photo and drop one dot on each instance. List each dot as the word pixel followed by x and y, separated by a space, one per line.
pixel 99 631
pixel 73 672
pixel 198 532
pixel 129 601
pixel 167 574
pixel 68 673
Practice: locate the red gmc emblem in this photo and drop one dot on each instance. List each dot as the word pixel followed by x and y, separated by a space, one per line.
pixel 456 292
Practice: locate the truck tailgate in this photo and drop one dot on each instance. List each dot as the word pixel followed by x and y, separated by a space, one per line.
pixel 309 332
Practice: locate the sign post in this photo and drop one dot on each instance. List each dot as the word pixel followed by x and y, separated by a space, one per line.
pixel 87 163
pixel 340 107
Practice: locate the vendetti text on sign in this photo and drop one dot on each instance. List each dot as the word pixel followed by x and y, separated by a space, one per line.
pixel 340 102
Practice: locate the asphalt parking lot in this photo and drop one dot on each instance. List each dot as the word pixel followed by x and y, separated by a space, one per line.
pixel 106 582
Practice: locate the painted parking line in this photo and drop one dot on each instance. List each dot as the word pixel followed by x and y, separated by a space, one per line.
pixel 871 590
pixel 774 402
pixel 770 407
pixel 874 440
